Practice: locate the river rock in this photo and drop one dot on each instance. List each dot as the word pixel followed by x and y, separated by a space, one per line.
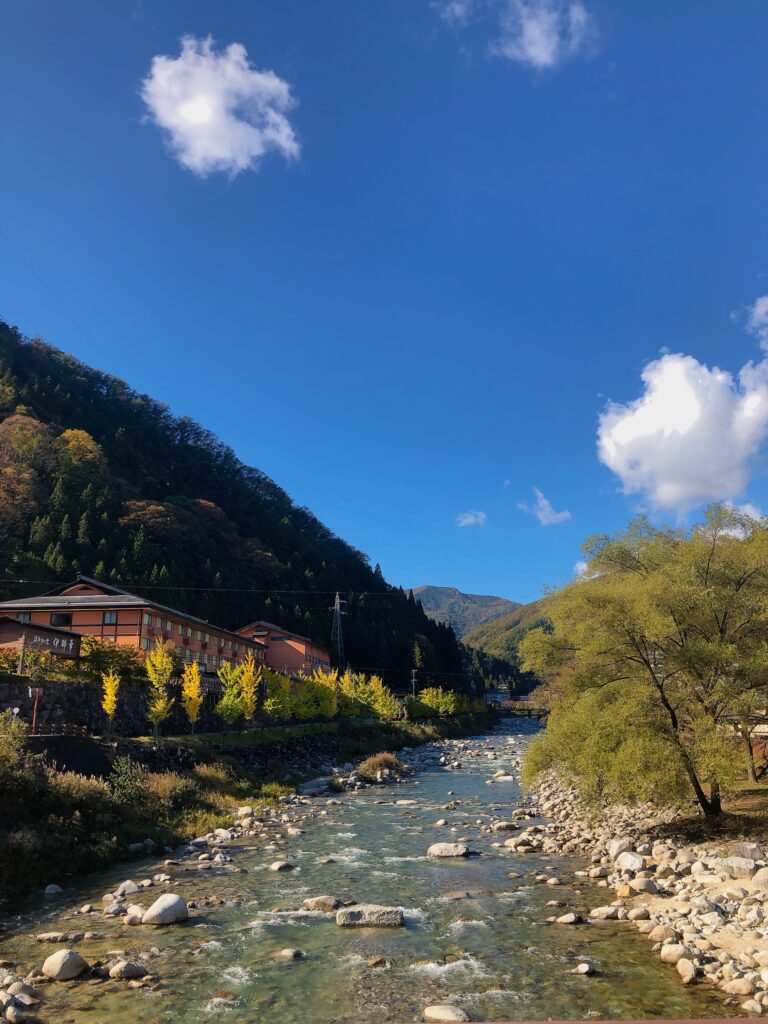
pixel 671 952
pixel 605 913
pixel 64 965
pixel 629 861
pixel 288 954
pixel 569 919
pixel 282 865
pixel 325 904
pixel 126 969
pixel 448 850
pixel 619 846
pixel 739 987
pixel 126 888
pixel 444 1014
pixel 52 890
pixel 369 915
pixel 687 970
pixel 167 909
pixel 736 867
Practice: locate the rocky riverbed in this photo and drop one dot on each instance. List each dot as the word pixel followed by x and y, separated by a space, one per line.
pixel 704 908
pixel 440 895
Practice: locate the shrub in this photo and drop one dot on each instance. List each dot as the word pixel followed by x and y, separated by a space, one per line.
pixel 128 781
pixel 441 702
pixel 169 792
pixel 369 769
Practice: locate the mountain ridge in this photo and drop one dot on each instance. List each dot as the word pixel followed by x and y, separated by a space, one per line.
pixel 98 478
pixel 464 612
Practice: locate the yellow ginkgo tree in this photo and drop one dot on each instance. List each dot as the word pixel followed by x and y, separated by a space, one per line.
pixel 159 666
pixel 192 693
pixel 251 675
pixel 110 688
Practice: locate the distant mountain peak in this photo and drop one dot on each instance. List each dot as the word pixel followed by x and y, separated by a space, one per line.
pixel 464 612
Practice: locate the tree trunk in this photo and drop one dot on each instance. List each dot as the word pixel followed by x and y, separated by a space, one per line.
pixel 751 773
pixel 710 805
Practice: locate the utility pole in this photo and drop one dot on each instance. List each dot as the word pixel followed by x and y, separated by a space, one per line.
pixel 414 672
pixel 337 638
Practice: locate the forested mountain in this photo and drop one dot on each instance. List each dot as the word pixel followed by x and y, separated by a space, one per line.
pixel 501 637
pixel 99 479
pixel 464 612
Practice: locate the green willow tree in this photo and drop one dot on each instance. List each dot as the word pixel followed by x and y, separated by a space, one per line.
pixel 650 657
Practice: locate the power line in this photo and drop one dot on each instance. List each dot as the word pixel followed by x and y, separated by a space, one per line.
pixel 223 590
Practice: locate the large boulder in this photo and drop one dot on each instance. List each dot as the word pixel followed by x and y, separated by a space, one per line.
pixel 448 850
pixel 167 909
pixel 64 965
pixel 369 915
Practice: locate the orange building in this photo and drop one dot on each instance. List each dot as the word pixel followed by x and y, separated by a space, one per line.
pixel 287 652
pixel 91 608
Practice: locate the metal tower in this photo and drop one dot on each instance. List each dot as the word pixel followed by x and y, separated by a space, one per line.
pixel 337 638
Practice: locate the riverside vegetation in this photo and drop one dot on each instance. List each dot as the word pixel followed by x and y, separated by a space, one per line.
pixel 656 668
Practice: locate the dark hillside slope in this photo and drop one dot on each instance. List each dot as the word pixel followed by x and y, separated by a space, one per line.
pixel 99 479
pixel 501 637
pixel 464 612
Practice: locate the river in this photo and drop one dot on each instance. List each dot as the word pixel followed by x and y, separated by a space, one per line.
pixel 492 953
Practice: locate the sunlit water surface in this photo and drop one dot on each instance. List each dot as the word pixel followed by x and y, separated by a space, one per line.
pixel 493 954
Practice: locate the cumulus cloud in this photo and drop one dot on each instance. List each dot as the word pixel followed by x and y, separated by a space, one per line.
pixel 543 510
pixel 542 33
pixel 580 568
pixel 474 517
pixel 218 112
pixel 757 320
pixel 691 434
pixel 454 12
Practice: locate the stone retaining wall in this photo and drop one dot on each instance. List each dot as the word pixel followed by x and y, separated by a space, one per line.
pixel 74 703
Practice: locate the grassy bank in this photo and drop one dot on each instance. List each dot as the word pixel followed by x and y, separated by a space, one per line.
pixel 54 824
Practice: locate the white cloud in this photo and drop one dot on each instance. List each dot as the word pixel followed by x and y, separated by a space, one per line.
pixel 748 509
pixel 474 517
pixel 542 33
pixel 757 320
pixel 219 112
pixel 454 12
pixel 580 568
pixel 542 509
pixel 690 436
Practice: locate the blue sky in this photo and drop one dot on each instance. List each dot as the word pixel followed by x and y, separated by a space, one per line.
pixel 405 273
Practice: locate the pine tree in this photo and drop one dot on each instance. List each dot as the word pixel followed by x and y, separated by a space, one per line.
pixel 84 530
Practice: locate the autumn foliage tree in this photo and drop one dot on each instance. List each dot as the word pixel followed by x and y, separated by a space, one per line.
pixel 159 666
pixel 192 693
pixel 652 655
pixel 110 683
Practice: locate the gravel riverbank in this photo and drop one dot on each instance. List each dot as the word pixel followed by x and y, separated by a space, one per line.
pixel 703 907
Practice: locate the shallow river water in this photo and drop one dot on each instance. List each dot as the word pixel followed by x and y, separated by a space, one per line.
pixel 493 954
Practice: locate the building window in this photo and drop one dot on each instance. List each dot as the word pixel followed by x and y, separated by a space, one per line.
pixel 61 619
pixel 181 630
pixel 23 616
pixel 147 619
pixel 110 618
pixel 207 638
pixel 145 643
